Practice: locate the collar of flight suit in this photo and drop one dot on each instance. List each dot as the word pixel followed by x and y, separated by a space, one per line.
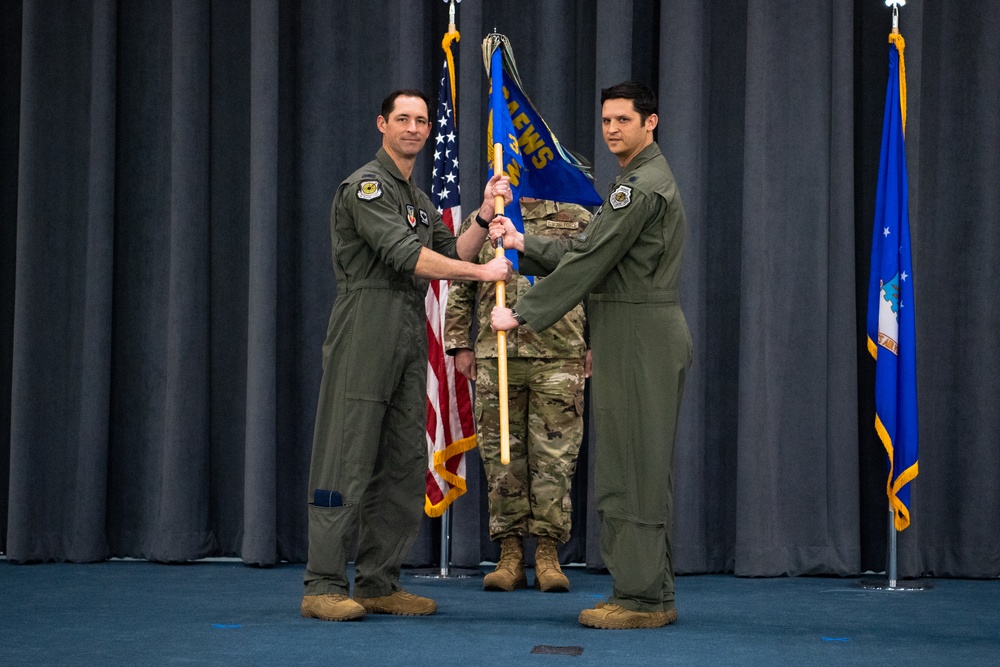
pixel 389 165
pixel 645 155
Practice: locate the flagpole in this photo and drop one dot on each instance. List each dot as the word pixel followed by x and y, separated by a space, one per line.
pixel 501 290
pixel 501 296
pixel 891 582
pixel 445 570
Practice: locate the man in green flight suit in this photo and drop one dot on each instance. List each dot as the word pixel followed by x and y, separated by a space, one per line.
pixel 546 372
pixel 628 262
pixel 369 456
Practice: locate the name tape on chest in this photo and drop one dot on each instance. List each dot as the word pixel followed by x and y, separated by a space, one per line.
pixel 621 197
pixel 562 224
pixel 368 190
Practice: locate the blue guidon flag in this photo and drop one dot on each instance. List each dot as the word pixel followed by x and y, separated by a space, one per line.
pixel 537 164
pixel 891 321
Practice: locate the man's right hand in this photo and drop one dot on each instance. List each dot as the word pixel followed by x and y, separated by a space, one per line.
pixel 497 270
pixel 465 363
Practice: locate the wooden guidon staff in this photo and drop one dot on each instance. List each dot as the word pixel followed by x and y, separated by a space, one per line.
pixel 501 289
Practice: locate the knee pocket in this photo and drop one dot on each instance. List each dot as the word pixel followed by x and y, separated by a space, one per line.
pixel 330 534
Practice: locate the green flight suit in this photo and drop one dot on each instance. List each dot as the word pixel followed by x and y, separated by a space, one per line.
pixel 628 261
pixel 369 443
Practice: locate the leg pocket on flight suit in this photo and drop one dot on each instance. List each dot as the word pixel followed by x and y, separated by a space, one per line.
pixel 330 537
pixel 373 357
pixel 613 465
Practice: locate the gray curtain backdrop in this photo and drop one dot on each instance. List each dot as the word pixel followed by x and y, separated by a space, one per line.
pixel 165 276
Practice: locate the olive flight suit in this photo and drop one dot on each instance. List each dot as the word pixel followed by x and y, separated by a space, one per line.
pixel 545 381
pixel 369 449
pixel 628 261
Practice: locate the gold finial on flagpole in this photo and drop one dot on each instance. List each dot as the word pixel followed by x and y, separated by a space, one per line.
pixel 895 4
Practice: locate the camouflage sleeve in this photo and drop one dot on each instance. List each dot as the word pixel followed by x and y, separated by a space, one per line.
pixel 461 309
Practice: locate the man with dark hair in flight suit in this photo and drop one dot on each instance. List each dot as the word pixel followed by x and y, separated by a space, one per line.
pixel 366 479
pixel 627 263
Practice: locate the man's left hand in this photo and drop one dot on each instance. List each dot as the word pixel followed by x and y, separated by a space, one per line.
pixel 501 319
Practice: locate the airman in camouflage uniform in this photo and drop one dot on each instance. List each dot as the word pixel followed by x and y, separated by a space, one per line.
pixel 546 373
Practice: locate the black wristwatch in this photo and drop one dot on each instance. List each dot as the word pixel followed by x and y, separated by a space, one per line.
pixel 517 316
pixel 485 224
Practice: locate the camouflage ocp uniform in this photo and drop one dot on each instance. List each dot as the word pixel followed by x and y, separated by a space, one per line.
pixel 545 392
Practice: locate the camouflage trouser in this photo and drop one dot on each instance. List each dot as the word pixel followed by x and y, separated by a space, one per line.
pixel 545 398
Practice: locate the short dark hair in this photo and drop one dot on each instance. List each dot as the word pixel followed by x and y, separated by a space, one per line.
pixel 390 101
pixel 642 96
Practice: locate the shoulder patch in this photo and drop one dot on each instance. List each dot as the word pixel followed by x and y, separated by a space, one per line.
pixel 621 197
pixel 368 190
pixel 423 218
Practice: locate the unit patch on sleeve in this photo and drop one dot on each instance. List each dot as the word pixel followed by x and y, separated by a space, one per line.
pixel 369 190
pixel 621 197
pixel 411 215
pixel 424 219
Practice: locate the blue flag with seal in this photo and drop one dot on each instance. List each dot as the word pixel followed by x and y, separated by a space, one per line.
pixel 537 164
pixel 891 321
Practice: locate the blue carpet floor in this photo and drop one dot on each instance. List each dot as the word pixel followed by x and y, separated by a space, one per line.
pixel 223 613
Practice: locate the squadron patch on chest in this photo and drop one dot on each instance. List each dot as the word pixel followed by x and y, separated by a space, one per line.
pixel 368 190
pixel 411 216
pixel 621 197
pixel 424 219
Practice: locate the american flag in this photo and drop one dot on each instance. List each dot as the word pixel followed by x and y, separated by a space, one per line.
pixel 451 430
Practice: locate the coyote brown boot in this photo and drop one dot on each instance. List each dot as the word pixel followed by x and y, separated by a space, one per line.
pixel 509 573
pixel 612 617
pixel 331 607
pixel 548 575
pixel 398 603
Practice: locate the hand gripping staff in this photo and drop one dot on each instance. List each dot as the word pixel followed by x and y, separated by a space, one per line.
pixel 501 290
pixel 499 132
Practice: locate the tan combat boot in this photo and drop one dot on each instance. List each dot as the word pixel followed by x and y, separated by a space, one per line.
pixel 613 617
pixel 548 575
pixel 509 573
pixel 398 603
pixel 331 607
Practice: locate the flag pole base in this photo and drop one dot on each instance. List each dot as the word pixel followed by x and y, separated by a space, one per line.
pixel 443 573
pixel 898 585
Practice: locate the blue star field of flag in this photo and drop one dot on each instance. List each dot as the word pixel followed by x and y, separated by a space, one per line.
pixel 444 177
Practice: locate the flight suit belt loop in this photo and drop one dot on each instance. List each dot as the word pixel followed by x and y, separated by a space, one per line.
pixel 652 296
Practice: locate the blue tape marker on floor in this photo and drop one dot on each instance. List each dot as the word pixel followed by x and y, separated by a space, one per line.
pixel 220 626
pixel 835 639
